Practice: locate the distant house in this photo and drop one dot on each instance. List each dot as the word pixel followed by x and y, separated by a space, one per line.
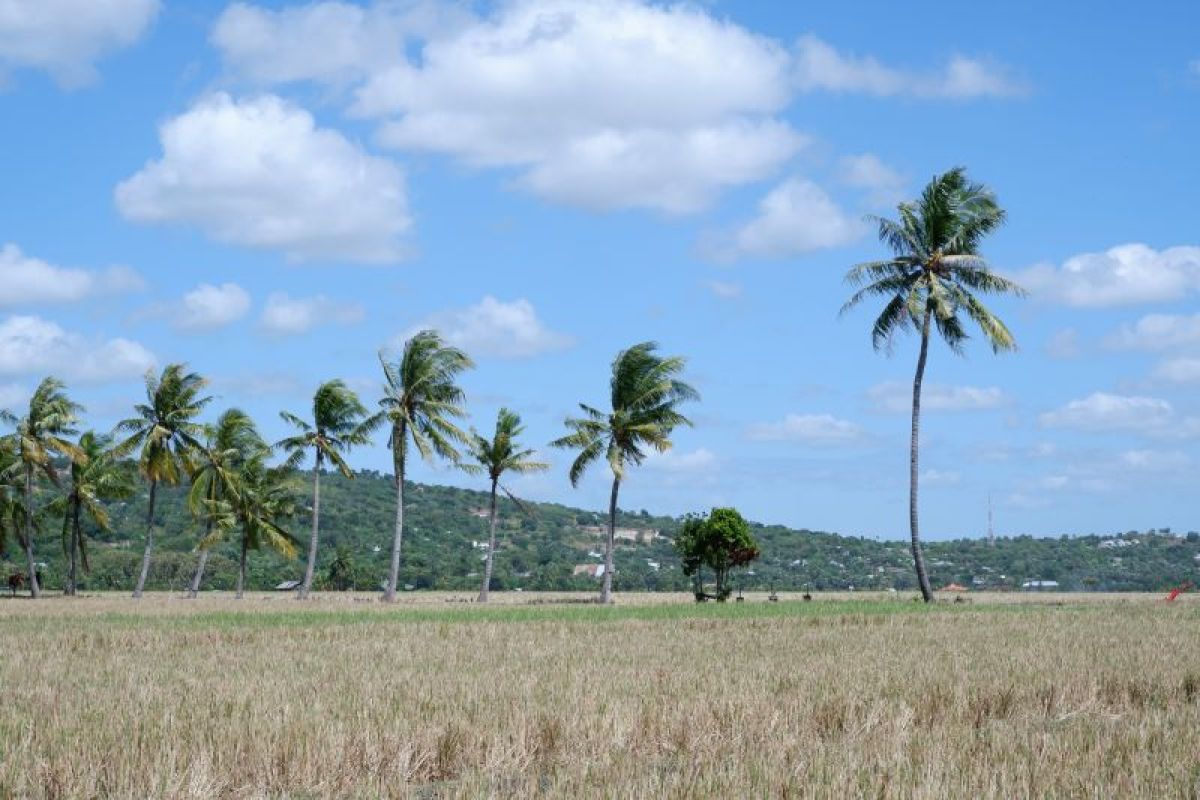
pixel 1039 585
pixel 954 587
pixel 626 534
pixel 591 570
pixel 482 513
pixel 287 586
pixel 1109 544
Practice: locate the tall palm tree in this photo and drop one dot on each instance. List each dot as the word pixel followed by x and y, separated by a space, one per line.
pixel 41 435
pixel 645 393
pixel 96 478
pixel 266 499
pixel 494 457
pixel 421 400
pixel 228 445
pixel 931 280
pixel 165 434
pixel 12 502
pixel 339 422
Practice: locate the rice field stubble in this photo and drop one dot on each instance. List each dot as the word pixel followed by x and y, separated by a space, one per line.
pixel 1069 697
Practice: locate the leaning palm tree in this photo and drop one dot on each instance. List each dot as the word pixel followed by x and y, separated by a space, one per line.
pixel 97 477
pixel 931 280
pixel 165 434
pixel 421 400
pixel 496 456
pixel 41 436
pixel 339 422
pixel 265 500
pixel 228 445
pixel 645 394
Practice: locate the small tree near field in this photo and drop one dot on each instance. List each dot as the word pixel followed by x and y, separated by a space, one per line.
pixel 720 541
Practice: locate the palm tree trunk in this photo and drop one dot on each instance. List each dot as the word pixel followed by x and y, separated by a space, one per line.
pixel 68 543
pixel 76 533
pixel 914 447
pixel 141 583
pixel 306 585
pixel 194 589
pixel 242 571
pixel 389 594
pixel 34 590
pixel 606 586
pixel 487 569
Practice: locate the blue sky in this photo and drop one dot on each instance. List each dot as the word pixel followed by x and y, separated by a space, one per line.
pixel 272 192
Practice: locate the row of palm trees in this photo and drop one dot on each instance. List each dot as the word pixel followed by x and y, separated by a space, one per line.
pixel 930 282
pixel 234 487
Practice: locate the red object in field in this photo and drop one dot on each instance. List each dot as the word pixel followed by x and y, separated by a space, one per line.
pixel 1178 590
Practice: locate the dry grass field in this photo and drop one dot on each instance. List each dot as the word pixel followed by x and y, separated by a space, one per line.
pixel 846 696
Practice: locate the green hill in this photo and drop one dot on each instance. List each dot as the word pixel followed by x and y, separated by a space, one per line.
pixel 539 550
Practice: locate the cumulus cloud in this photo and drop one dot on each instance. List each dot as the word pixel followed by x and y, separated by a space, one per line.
pixel 819 66
pixel 814 429
pixel 260 173
pixel 895 397
pixel 67 37
pixel 1102 411
pixel 30 345
pixel 1178 370
pixel 495 328
pixel 604 105
pixel 30 281
pixel 794 218
pixel 288 316
pixel 699 461
pixel 884 186
pixel 208 307
pixel 1125 275
pixel 1158 332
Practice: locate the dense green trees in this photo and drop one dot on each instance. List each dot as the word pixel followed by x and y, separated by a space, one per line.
pixel 645 395
pixel 931 281
pixel 722 542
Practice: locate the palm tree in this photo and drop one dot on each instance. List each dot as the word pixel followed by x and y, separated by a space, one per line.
pixel 97 477
pixel 12 503
pixel 41 435
pixel 266 499
pixel 495 457
pixel 339 421
pixel 645 395
pixel 166 434
pixel 421 400
pixel 228 445
pixel 931 280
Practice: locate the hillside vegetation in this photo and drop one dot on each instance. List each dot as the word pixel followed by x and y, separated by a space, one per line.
pixel 541 548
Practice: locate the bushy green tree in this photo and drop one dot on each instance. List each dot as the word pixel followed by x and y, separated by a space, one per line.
pixel 720 541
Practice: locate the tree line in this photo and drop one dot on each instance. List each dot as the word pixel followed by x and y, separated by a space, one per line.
pixel 930 283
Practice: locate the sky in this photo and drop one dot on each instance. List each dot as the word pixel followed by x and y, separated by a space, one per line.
pixel 274 192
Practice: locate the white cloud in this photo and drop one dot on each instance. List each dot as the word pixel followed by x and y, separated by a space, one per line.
pixel 30 345
pixel 1125 275
pixel 795 217
pixel 1158 332
pixel 1064 344
pixel 1154 460
pixel 939 477
pixel 260 173
pixel 495 328
pixel 724 290
pixel 29 281
pixel 884 186
pixel 814 429
pixel 67 37
pixel 819 66
pixel 208 307
pixel 699 461
pixel 895 397
pixel 1178 370
pixel 1101 411
pixel 289 316
pixel 601 104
